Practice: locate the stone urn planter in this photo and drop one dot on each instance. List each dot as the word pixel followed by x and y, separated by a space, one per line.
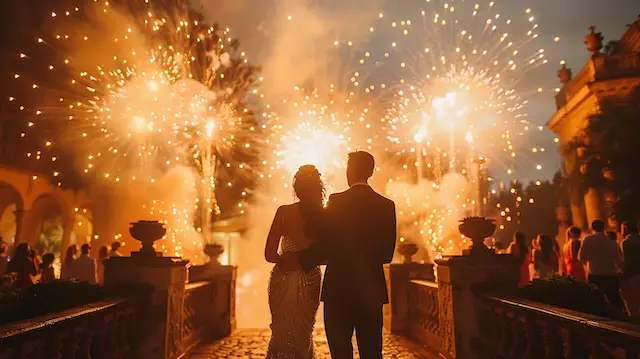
pixel 407 250
pixel 477 229
pixel 147 232
pixel 213 251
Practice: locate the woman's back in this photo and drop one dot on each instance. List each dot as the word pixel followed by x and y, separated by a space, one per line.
pixel 572 266
pixel 25 269
pixel 293 229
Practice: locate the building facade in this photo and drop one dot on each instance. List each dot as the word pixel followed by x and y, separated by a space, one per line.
pixel 612 74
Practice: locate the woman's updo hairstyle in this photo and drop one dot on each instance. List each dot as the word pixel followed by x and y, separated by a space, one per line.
pixel 309 189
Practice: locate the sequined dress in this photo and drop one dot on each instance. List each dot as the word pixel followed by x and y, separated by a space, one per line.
pixel 294 297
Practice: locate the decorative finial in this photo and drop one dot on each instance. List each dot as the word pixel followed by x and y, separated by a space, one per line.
pixel 594 41
pixel 564 74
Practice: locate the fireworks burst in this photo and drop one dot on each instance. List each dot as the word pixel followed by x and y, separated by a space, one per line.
pixel 448 86
pixel 138 90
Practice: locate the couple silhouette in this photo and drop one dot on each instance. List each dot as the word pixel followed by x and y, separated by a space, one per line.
pixel 354 235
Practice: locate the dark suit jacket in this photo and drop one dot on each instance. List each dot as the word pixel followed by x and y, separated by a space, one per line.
pixel 357 238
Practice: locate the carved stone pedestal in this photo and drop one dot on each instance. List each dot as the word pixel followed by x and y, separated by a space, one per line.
pixel 458 279
pixel 399 276
pixel 159 332
pixel 224 280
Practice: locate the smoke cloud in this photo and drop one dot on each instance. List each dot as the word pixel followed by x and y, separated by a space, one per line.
pixel 293 42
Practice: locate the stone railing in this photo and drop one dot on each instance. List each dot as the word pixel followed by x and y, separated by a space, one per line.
pixel 423 323
pixel 198 312
pixel 616 66
pixel 106 329
pixel 515 328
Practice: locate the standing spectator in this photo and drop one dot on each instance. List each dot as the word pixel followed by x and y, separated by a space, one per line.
pixel 603 258
pixel 630 284
pixel 545 260
pixel 85 267
pixel 571 266
pixel 46 268
pixel 68 264
pixel 103 255
pixel 23 265
pixel 520 250
pixel 33 254
pixel 4 260
pixel 114 249
pixel 612 235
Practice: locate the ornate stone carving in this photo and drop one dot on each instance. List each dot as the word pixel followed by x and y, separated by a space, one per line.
pixel 446 319
pixel 594 40
pixel 175 321
pixel 147 232
pixel 564 74
pixel 407 250
pixel 477 228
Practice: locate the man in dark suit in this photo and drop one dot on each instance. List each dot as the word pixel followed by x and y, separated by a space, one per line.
pixel 359 237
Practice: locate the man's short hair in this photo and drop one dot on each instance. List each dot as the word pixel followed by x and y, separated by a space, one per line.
pixel 362 164
pixel 85 248
pixel 575 232
pixel 115 246
pixel 597 225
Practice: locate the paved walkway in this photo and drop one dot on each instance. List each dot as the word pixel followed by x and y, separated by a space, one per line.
pixel 252 344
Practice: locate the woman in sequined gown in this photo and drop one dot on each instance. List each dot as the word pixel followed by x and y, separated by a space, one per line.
pixel 294 295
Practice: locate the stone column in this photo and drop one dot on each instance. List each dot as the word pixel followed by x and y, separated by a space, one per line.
pixel 592 204
pixel 398 278
pixel 159 333
pixel 460 278
pixel 20 214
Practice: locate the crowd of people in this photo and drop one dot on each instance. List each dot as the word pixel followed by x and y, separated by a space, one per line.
pixel 29 267
pixel 598 259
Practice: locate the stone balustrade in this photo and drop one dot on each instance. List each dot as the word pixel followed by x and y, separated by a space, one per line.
pixel 516 328
pixel 126 327
pixel 423 323
pixel 106 329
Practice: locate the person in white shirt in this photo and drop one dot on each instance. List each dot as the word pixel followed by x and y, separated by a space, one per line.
pixel 114 249
pixel 603 259
pixel 85 267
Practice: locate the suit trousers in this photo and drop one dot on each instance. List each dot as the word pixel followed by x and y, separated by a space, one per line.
pixel 341 318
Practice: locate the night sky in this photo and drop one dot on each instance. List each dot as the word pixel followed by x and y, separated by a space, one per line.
pixel 255 23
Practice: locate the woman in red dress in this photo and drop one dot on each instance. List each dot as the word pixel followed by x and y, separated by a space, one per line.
pixel 570 264
pixel 520 250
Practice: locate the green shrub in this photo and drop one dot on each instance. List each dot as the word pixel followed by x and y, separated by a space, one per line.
pixel 570 293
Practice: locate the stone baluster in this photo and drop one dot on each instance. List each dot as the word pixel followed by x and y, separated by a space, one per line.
pixel 54 345
pixel 71 344
pixel 597 350
pixel 111 348
pixel 506 334
pixel 84 350
pixel 123 334
pixel 571 345
pixel 97 343
pixel 32 348
pixel 519 344
pixel 552 341
pixel 534 348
